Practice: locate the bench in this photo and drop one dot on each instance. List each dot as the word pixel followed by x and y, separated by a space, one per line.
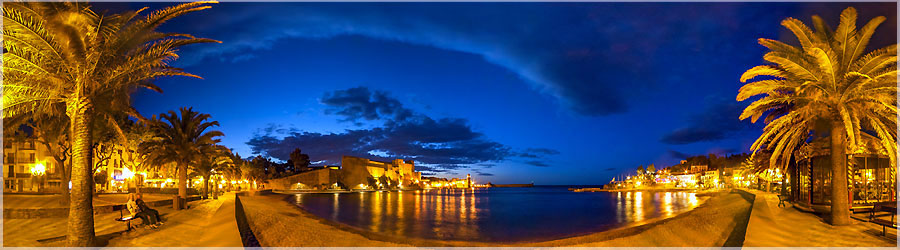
pixel 782 198
pixel 890 208
pixel 121 218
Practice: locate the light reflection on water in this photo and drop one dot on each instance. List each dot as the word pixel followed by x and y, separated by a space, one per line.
pixel 496 214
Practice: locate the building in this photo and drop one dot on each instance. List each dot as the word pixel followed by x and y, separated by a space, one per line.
pixel 686 180
pixel 27 165
pixel 360 173
pixel 872 177
pixel 710 179
pixel 698 169
pixel 317 178
pixel 354 173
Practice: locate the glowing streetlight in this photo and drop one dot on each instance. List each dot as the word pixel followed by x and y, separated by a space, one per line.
pixel 38 169
pixel 127 174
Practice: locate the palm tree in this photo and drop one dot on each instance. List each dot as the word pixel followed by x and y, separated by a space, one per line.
pixel 179 139
pixel 213 158
pixel 827 85
pixel 64 53
pixel 136 134
pixel 232 172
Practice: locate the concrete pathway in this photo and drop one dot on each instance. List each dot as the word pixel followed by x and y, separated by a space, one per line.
pixel 773 226
pixel 209 224
pixel 205 223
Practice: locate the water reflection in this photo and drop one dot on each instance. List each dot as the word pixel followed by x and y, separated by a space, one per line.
pixel 499 214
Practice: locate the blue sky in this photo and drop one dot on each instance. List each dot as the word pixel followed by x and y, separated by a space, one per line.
pixel 550 93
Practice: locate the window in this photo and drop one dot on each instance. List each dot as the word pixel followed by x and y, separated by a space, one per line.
pixel 821 180
pixel 30 157
pixel 30 144
pixel 11 172
pixel 11 157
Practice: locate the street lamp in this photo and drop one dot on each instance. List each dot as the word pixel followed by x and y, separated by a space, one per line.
pixel 37 172
pixel 38 169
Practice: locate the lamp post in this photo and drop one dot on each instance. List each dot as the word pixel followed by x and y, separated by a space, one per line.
pixel 37 172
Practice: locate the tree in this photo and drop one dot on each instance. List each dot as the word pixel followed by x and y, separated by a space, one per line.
pixel 300 160
pixel 254 171
pixel 232 172
pixel 651 169
pixel 828 85
pixel 640 170
pixel 213 158
pixel 64 53
pixel 52 133
pixel 136 134
pixel 179 138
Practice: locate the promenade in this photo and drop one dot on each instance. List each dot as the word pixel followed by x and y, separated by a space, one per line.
pixel 773 226
pixel 206 223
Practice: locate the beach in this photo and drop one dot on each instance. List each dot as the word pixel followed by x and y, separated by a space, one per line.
pixel 278 223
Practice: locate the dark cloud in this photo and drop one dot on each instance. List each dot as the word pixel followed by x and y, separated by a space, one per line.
pixel 610 169
pixel 437 145
pixel 360 103
pixel 538 152
pixel 678 155
pixel 483 173
pixel 718 121
pixel 537 163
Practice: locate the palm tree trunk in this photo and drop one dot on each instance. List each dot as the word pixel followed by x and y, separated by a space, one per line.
pixel 182 183
pixel 63 183
pixel 840 200
pixel 205 187
pixel 81 212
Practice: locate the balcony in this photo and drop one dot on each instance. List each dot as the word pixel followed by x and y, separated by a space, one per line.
pixel 18 175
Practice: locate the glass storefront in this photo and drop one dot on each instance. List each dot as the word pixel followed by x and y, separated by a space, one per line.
pixel 821 180
pixel 871 180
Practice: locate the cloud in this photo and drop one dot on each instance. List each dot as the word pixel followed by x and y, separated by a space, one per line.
pixel 591 57
pixel 717 122
pixel 437 145
pixel 538 152
pixel 609 169
pixel 360 103
pixel 678 155
pixel 537 163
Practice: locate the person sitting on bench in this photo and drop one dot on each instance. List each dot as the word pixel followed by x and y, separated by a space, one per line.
pixel 137 213
pixel 150 211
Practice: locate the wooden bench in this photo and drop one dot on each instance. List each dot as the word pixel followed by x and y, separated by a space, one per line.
pixel 782 198
pixel 121 218
pixel 890 208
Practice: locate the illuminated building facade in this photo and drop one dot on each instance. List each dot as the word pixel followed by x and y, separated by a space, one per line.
pixel 359 173
pixel 29 167
pixel 26 165
pixel 872 177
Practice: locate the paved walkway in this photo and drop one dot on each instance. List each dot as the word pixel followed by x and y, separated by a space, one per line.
pixel 773 226
pixel 204 223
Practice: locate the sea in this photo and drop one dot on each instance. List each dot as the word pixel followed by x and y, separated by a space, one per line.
pixel 520 214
